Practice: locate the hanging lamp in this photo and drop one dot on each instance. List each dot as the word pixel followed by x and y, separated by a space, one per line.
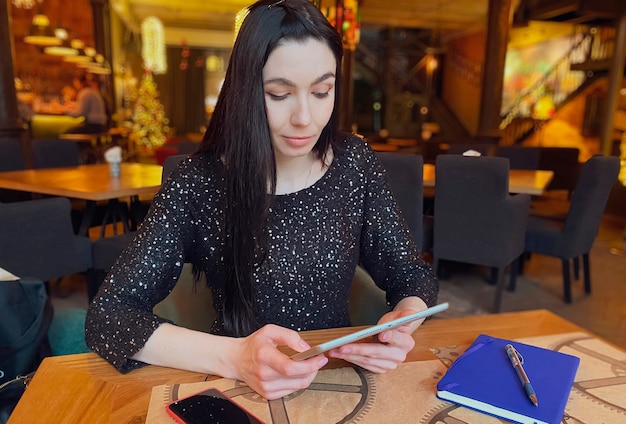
pixel 63 49
pixel 41 33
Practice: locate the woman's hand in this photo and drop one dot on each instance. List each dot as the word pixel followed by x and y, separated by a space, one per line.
pixel 254 359
pixel 389 348
pixel 271 373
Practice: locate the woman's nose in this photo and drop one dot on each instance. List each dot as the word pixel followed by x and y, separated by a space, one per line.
pixel 301 114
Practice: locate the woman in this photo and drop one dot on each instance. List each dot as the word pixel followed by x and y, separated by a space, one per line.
pixel 276 209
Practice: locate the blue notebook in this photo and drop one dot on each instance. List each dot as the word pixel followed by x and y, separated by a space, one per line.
pixel 484 379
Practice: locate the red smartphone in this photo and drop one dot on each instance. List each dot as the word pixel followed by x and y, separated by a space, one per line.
pixel 209 406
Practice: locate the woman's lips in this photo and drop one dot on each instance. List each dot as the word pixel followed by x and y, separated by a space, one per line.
pixel 298 141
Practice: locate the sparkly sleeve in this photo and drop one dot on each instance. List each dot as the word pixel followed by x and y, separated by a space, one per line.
pixel 388 251
pixel 120 319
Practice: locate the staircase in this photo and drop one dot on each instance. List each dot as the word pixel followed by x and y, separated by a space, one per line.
pixel 570 75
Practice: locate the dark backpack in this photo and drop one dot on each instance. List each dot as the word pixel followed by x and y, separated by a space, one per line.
pixel 25 316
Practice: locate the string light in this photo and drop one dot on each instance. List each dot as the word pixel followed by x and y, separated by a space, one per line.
pixel 25 4
pixel 153 48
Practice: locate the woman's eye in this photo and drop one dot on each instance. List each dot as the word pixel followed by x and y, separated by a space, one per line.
pixel 322 95
pixel 277 96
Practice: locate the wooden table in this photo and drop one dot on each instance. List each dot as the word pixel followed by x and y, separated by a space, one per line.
pixel 520 180
pixel 85 388
pixel 91 145
pixel 88 182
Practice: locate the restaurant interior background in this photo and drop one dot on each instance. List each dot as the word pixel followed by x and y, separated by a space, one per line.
pixel 416 70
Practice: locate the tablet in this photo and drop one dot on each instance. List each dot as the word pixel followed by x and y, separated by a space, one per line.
pixel 367 332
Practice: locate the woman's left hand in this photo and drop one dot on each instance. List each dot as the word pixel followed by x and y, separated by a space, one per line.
pixel 387 349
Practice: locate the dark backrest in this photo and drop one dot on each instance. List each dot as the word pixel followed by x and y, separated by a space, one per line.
pixel 186 147
pixel 37 240
pixel 476 179
pixel 520 157
pixel 589 198
pixel 11 155
pixel 169 164
pixel 54 153
pixel 564 162
pixel 476 220
pixel 405 174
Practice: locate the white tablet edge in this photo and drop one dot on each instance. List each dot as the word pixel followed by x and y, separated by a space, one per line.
pixel 370 331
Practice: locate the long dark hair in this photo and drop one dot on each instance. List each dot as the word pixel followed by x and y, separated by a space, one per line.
pixel 239 133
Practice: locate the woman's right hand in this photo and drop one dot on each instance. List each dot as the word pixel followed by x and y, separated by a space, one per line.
pixel 271 373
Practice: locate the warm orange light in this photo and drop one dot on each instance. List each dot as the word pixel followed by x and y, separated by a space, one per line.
pixel 432 64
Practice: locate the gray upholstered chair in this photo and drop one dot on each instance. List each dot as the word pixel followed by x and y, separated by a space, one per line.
pixel 574 238
pixel 37 240
pixel 520 157
pixel 563 161
pixel 11 155
pixel 54 153
pixel 555 202
pixel 405 174
pixel 12 159
pixel 476 220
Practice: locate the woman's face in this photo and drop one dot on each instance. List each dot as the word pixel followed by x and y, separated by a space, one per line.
pixel 299 85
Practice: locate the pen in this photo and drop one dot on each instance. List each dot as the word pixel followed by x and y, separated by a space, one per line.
pixel 517 361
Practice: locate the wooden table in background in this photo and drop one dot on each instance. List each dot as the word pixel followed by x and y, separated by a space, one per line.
pixel 85 388
pixel 520 180
pixel 88 182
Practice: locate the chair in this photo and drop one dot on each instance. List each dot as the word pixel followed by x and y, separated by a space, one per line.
pixel 37 240
pixel 106 250
pixel 405 175
pixel 476 220
pixel 574 238
pixel 11 155
pixel 520 157
pixel 12 159
pixel 54 153
pixel 187 147
pixel 555 202
pixel 564 162
pixel 170 163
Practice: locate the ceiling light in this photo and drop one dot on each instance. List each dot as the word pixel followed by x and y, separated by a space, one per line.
pixel 80 56
pixel 41 34
pixel 63 49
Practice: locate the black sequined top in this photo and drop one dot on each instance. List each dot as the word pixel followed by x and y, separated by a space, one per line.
pixel 316 235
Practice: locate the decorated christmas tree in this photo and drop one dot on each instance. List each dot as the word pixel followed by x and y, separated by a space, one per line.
pixel 150 125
